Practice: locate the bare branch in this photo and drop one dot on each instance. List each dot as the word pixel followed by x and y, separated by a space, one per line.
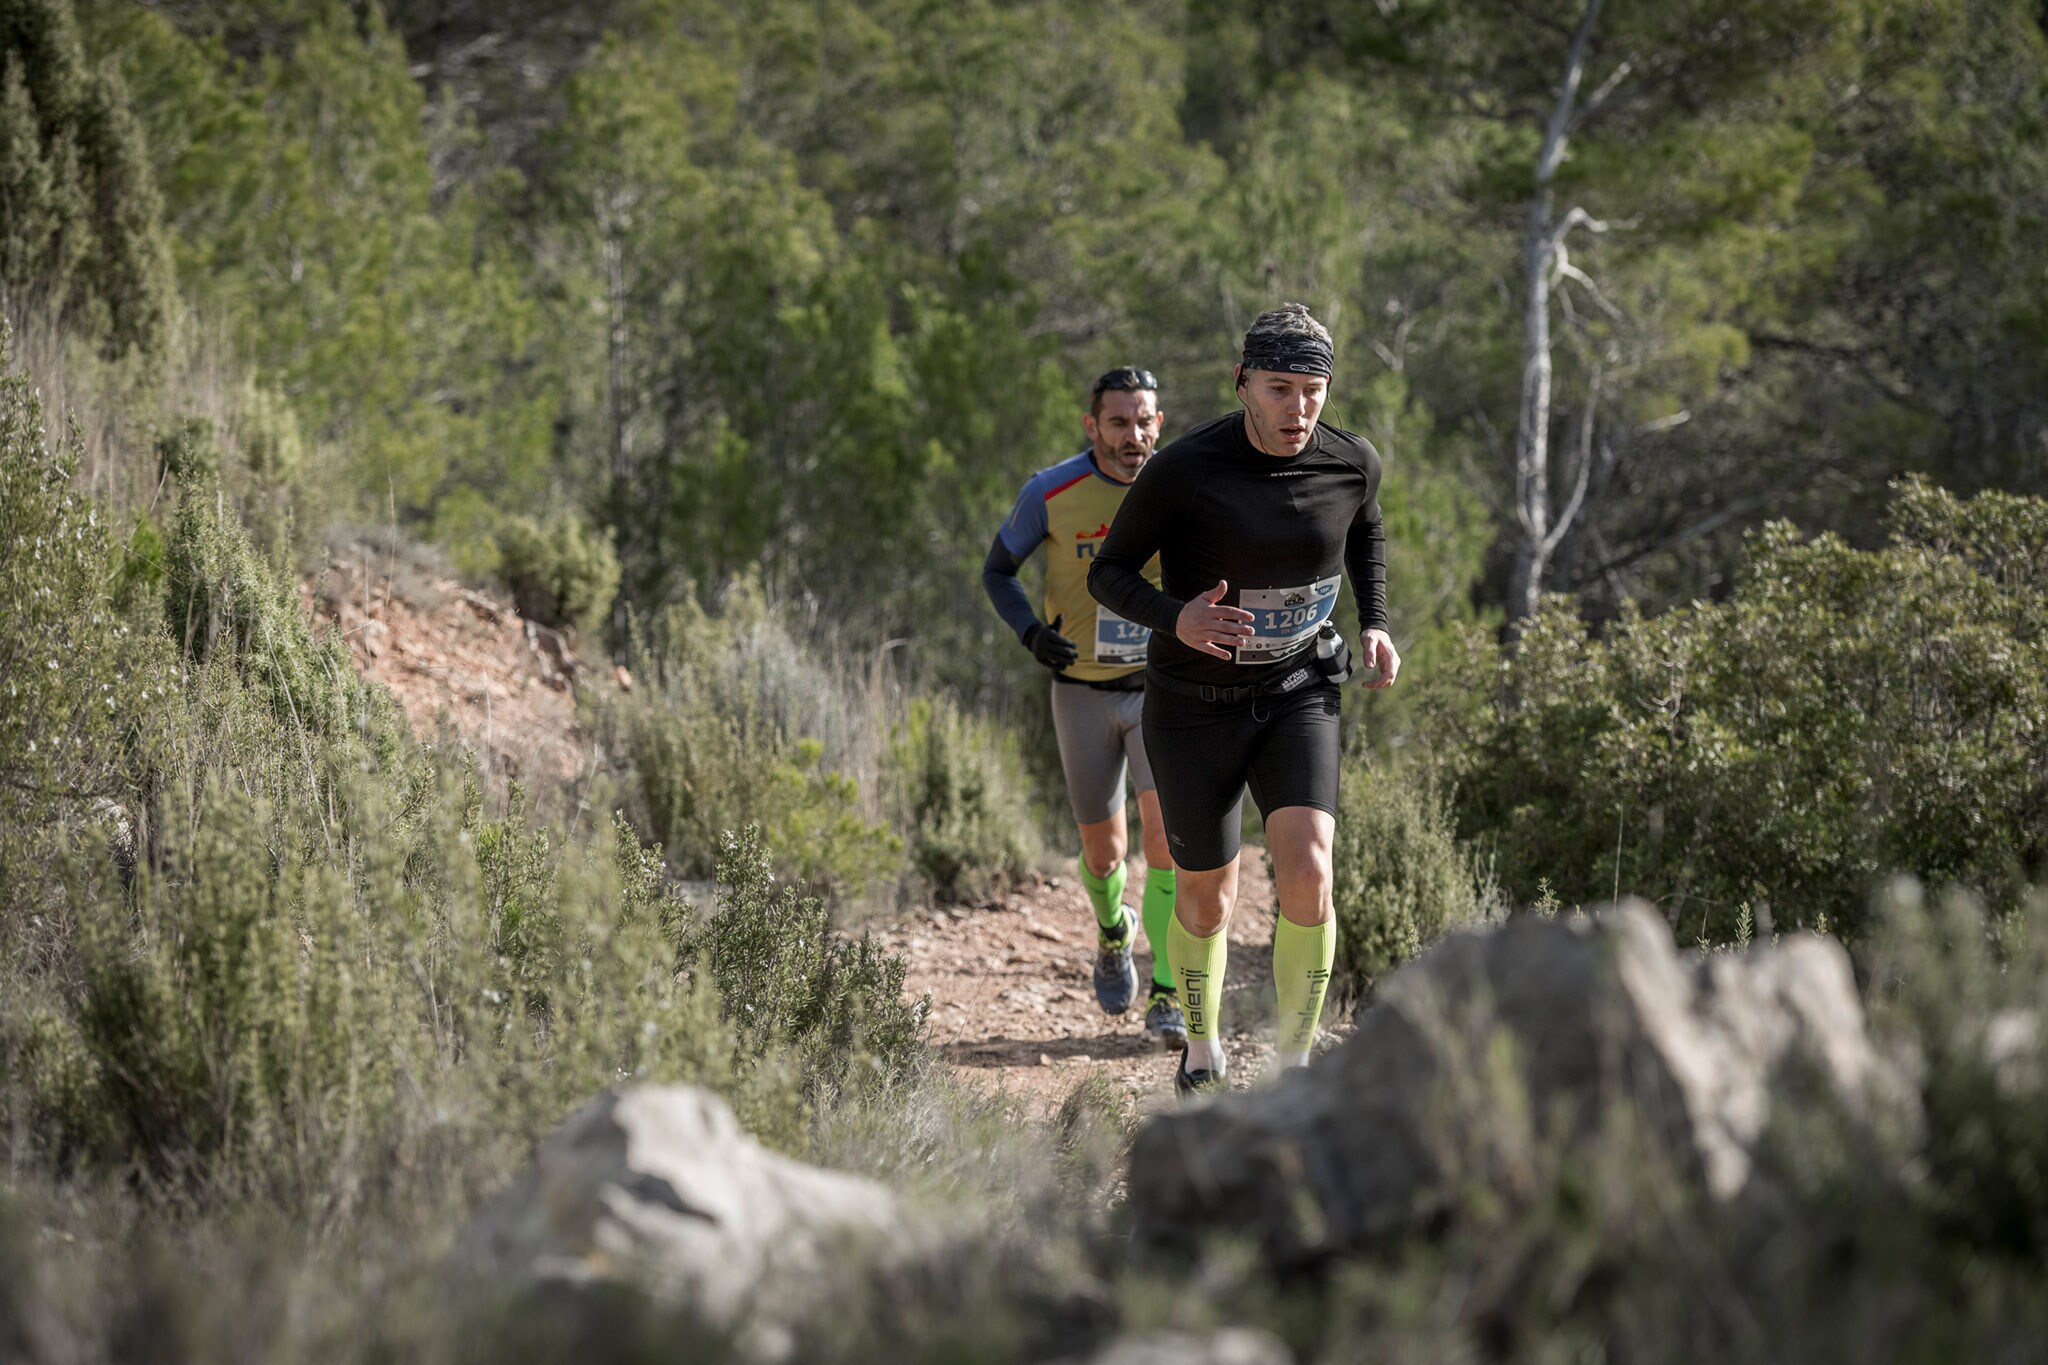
pixel 1571 272
pixel 1600 98
pixel 1577 217
pixel 1704 526
pixel 1578 498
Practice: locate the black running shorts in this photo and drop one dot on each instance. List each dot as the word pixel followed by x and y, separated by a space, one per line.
pixel 1204 754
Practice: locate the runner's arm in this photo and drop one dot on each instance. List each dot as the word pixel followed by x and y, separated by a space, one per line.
pixel 999 580
pixel 1117 577
pixel 1365 559
pixel 1017 539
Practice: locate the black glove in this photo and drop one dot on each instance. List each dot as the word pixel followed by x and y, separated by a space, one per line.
pixel 1048 646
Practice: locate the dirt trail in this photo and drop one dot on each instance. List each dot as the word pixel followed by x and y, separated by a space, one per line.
pixel 1012 1007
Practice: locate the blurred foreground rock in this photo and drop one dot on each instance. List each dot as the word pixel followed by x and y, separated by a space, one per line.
pixel 1230 1346
pixel 660 1187
pixel 1496 1046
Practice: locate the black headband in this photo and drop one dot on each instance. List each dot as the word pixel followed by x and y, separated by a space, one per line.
pixel 1296 354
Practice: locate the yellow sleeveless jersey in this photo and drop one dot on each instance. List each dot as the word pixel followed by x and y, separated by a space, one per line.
pixel 1068 508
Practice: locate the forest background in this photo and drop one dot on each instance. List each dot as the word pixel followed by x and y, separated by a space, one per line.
pixel 1706 343
pixel 807 290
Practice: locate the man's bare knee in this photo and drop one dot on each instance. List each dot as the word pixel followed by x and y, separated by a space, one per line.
pixel 1104 844
pixel 1202 901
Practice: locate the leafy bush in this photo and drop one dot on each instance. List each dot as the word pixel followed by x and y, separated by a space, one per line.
pixel 330 977
pixel 786 981
pixel 734 724
pixel 1843 715
pixel 561 573
pixel 78 682
pixel 1401 878
pixel 81 221
pixel 960 795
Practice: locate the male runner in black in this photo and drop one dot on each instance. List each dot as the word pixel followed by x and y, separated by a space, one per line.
pixel 1253 517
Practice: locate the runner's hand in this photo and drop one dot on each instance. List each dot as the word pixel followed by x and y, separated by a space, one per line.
pixel 1211 628
pixel 1382 661
pixel 1048 646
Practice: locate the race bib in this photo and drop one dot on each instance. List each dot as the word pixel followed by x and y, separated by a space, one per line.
pixel 1118 641
pixel 1284 619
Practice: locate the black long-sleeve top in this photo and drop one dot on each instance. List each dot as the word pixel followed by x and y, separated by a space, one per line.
pixel 1277 528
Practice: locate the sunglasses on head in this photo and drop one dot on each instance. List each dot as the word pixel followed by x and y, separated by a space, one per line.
pixel 1123 378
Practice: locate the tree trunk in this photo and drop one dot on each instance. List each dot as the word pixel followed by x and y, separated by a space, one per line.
pixel 1535 533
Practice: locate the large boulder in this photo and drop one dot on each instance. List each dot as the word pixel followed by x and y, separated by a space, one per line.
pixel 1495 1043
pixel 658 1186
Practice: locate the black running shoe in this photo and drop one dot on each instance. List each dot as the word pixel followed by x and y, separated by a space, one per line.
pixel 1116 977
pixel 1164 1023
pixel 1191 1085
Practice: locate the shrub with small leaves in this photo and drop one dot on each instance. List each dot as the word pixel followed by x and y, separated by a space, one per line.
pixel 79 682
pixel 561 573
pixel 1843 715
pixel 959 788
pixel 786 980
pixel 1401 878
pixel 725 732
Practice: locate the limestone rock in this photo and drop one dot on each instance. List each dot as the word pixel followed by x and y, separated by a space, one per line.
pixel 1493 1041
pixel 1230 1346
pixel 658 1185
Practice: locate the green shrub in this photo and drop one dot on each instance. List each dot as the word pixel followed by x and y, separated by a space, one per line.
pixel 79 684
pixel 1961 991
pixel 223 603
pixel 561 573
pixel 960 794
pixel 735 724
pixel 1843 715
pixel 332 976
pixel 788 985
pixel 1401 878
pixel 81 220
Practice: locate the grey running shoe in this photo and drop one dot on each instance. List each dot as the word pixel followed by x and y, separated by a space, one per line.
pixel 1192 1085
pixel 1164 1023
pixel 1116 977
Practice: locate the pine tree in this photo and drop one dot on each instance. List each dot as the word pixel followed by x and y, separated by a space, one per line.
pixel 82 238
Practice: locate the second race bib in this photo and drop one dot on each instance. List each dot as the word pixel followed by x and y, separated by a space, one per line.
pixel 1284 619
pixel 1118 641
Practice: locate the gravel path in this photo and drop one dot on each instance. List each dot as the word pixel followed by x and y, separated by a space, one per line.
pixel 1012 1008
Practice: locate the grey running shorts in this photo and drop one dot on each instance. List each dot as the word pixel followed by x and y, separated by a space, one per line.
pixel 1099 732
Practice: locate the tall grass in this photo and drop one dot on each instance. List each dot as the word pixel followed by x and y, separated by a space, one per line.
pixel 864 785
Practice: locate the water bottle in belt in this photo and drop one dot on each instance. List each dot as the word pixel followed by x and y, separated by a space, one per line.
pixel 1333 656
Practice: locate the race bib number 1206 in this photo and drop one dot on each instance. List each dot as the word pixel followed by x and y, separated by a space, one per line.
pixel 1284 619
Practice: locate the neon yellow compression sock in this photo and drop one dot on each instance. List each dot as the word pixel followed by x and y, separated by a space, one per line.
pixel 1198 965
pixel 1157 911
pixel 1301 974
pixel 1106 894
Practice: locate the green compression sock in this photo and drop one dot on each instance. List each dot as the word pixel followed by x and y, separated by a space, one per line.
pixel 1106 894
pixel 1198 965
pixel 1157 911
pixel 1301 973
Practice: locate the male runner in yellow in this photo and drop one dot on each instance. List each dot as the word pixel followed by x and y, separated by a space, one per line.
pixel 1097 660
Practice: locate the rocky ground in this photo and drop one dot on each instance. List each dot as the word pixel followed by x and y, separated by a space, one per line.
pixel 452 655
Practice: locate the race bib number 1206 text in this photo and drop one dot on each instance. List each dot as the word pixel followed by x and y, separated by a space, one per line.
pixel 1284 619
